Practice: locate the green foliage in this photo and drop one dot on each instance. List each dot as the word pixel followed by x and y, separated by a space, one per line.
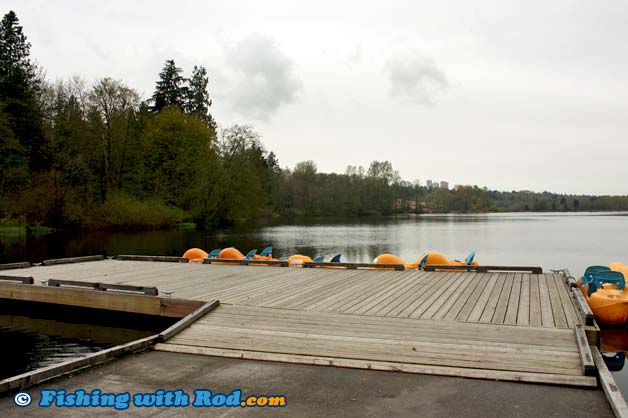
pixel 121 211
pixel 17 73
pixel 19 88
pixel 236 184
pixel 177 148
pixel 170 89
pixel 112 109
pixel 13 163
pixel 197 101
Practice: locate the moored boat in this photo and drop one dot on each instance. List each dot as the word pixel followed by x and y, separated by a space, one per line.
pixel 604 289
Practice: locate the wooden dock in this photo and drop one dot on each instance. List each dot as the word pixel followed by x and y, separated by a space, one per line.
pixel 505 325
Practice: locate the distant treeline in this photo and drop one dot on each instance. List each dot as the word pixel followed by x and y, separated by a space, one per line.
pixel 79 154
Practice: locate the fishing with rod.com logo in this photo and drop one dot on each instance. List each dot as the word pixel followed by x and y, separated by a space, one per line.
pixel 161 398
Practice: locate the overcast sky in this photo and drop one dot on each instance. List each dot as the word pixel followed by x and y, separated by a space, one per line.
pixel 507 94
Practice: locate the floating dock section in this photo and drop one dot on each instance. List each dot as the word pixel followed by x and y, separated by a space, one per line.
pixel 494 325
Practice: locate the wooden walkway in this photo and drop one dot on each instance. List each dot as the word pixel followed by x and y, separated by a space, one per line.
pixel 494 298
pixel 512 326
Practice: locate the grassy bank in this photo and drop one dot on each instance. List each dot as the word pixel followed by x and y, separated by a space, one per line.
pixel 10 228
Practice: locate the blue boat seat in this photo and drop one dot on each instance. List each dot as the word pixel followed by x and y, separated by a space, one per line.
pixel 266 252
pixel 606 276
pixel 470 258
pixel 319 259
pixel 250 254
pixel 335 259
pixel 214 253
pixel 590 272
pixel 423 261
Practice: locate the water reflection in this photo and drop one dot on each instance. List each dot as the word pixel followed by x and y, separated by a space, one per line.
pixel 614 361
pixel 547 240
pixel 614 347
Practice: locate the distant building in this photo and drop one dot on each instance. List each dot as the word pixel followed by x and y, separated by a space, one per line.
pixel 428 183
pixel 457 186
pixel 444 185
pixel 405 183
pixel 485 188
pixel 434 185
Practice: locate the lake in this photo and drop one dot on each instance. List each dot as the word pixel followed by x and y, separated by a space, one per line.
pixel 548 240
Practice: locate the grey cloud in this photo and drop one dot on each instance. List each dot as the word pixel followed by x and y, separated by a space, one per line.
pixel 415 78
pixel 265 78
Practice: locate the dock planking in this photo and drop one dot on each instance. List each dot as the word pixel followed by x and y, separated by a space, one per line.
pixel 502 325
pixel 496 298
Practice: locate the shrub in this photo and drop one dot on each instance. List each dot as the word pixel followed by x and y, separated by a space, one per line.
pixel 122 211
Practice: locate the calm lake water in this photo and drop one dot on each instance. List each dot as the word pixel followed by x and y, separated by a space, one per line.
pixel 35 335
pixel 549 240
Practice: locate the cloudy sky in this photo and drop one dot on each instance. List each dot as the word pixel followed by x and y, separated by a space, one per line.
pixel 507 94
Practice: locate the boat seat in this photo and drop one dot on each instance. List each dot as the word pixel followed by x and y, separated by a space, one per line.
pixel 606 277
pixel 470 258
pixel 335 259
pixel 266 252
pixel 319 258
pixel 423 261
pixel 214 253
pixel 250 254
pixel 590 272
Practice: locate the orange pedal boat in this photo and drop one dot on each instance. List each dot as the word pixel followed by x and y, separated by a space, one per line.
pixel 604 288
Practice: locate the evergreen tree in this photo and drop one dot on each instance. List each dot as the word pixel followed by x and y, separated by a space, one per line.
pixel 17 73
pixel 197 100
pixel 170 89
pixel 19 87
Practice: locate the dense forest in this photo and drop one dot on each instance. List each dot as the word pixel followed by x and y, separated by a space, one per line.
pixel 94 154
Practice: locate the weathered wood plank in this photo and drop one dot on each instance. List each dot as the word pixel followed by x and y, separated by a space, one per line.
pixel 588 366
pixel 10 266
pixel 547 318
pixel 613 394
pixel 166 258
pixel 446 301
pixel 504 297
pixel 535 301
pixel 560 320
pixel 478 309
pixel 386 366
pixel 354 266
pixel 380 352
pixel 491 304
pixel 18 279
pixel 586 315
pixel 188 320
pixel 513 302
pixel 70 260
pixel 544 336
pixel 150 291
pixel 125 302
pixel 464 313
pixel 564 292
pixel 246 262
pixel 483 269
pixel 523 316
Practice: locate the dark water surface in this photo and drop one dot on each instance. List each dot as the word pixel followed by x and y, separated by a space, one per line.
pixel 549 240
pixel 35 335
